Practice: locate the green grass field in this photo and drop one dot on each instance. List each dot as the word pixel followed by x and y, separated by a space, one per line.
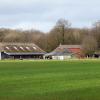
pixel 50 80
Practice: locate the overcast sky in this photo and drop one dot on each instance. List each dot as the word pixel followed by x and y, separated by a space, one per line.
pixel 43 14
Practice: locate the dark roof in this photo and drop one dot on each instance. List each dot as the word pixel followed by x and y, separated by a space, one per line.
pixel 11 54
pixel 20 48
pixel 58 54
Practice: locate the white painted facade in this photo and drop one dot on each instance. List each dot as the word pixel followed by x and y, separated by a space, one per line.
pixel 0 55
pixel 61 57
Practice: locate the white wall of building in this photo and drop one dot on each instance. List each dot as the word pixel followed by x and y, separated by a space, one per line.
pixel 61 57
pixel 0 55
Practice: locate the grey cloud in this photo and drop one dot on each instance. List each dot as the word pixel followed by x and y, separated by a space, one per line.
pixel 45 13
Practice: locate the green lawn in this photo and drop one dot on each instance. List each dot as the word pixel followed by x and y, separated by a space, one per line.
pixel 50 80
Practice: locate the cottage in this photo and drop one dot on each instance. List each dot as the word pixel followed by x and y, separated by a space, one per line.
pixel 63 52
pixel 20 51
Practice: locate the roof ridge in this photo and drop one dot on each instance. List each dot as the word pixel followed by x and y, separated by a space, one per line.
pixel 16 43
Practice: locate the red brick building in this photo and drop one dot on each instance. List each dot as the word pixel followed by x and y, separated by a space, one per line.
pixel 65 52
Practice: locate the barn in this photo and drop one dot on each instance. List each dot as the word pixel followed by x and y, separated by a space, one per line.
pixel 20 51
pixel 63 52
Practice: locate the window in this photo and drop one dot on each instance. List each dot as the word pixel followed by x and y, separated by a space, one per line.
pixel 15 48
pixel 22 48
pixel 34 48
pixel 27 48
pixel 7 48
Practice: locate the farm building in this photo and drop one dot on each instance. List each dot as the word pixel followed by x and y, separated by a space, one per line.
pixel 20 51
pixel 65 52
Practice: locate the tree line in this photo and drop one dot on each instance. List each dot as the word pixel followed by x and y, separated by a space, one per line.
pixel 61 33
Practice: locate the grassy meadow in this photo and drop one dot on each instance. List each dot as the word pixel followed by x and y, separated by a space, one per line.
pixel 50 80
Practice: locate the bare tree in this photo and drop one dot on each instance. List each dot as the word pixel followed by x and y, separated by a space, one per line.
pixel 63 25
pixel 89 45
pixel 96 32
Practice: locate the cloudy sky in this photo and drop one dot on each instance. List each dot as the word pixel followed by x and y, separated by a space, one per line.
pixel 43 14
